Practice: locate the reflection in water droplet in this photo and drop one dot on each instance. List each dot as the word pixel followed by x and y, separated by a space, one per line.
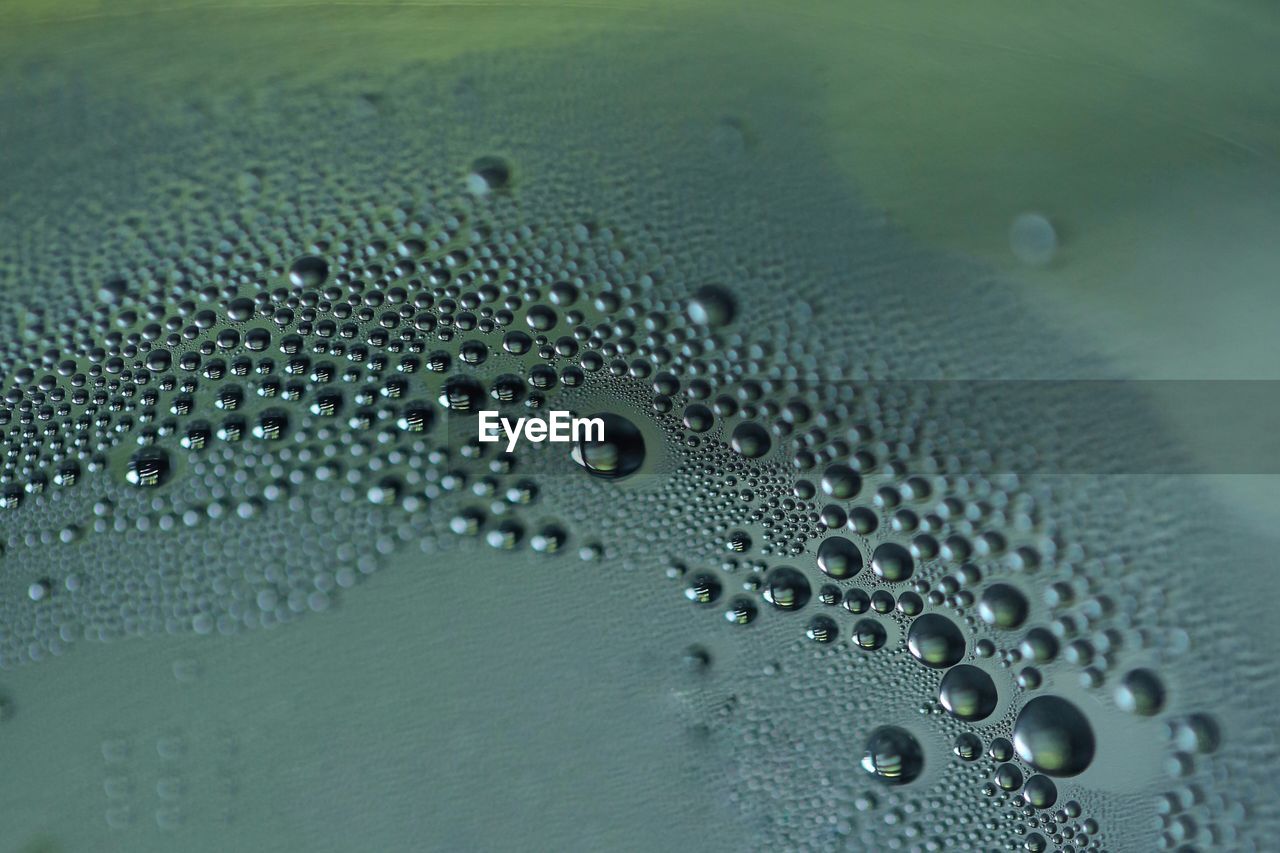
pixel 1053 736
pixel 893 756
pixel 712 306
pixel 839 558
pixel 935 641
pixel 750 440
pixel 1003 605
pixel 149 468
pixel 786 589
pixel 620 453
pixel 968 693
pixel 869 634
pixel 1039 792
pixel 892 562
pixel 1140 692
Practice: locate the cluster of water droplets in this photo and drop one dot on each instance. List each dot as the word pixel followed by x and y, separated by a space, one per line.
pixel 173 419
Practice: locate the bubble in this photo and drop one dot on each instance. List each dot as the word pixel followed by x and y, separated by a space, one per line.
pixel 750 440
pixel 620 453
pixel 892 562
pixel 935 641
pixel 1003 605
pixel 893 756
pixel 786 588
pixel 712 306
pixel 1140 692
pixel 149 468
pixel 968 693
pixel 839 558
pixel 1033 239
pixel 1053 736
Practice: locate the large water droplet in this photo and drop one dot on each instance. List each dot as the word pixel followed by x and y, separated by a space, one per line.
pixel 786 589
pixel 968 693
pixel 935 641
pixel 1003 605
pixel 620 453
pixel 1140 692
pixel 892 562
pixel 711 306
pixel 751 440
pixel 893 756
pixel 1053 736
pixel 839 558
pixel 149 467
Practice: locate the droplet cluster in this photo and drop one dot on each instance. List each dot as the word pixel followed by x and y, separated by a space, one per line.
pixel 226 403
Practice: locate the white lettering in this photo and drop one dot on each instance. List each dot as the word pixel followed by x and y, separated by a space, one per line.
pixel 512 431
pixel 488 429
pixel 558 426
pixel 588 426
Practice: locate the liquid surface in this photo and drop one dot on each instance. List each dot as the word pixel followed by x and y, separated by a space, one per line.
pixel 893 541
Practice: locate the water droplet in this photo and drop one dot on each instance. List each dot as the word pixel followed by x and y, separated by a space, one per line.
pixel 488 174
pixel 1033 239
pixel 751 440
pixel 968 693
pixel 839 558
pixel 1053 736
pixel 149 468
pixel 620 453
pixel 869 634
pixel 893 756
pixel 1039 792
pixel 892 562
pixel 1003 605
pixel 935 641
pixel 702 589
pixel 309 271
pixel 712 306
pixel 1140 692
pixel 786 589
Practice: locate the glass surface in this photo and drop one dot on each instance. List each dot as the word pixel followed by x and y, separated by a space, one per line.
pixel 936 350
